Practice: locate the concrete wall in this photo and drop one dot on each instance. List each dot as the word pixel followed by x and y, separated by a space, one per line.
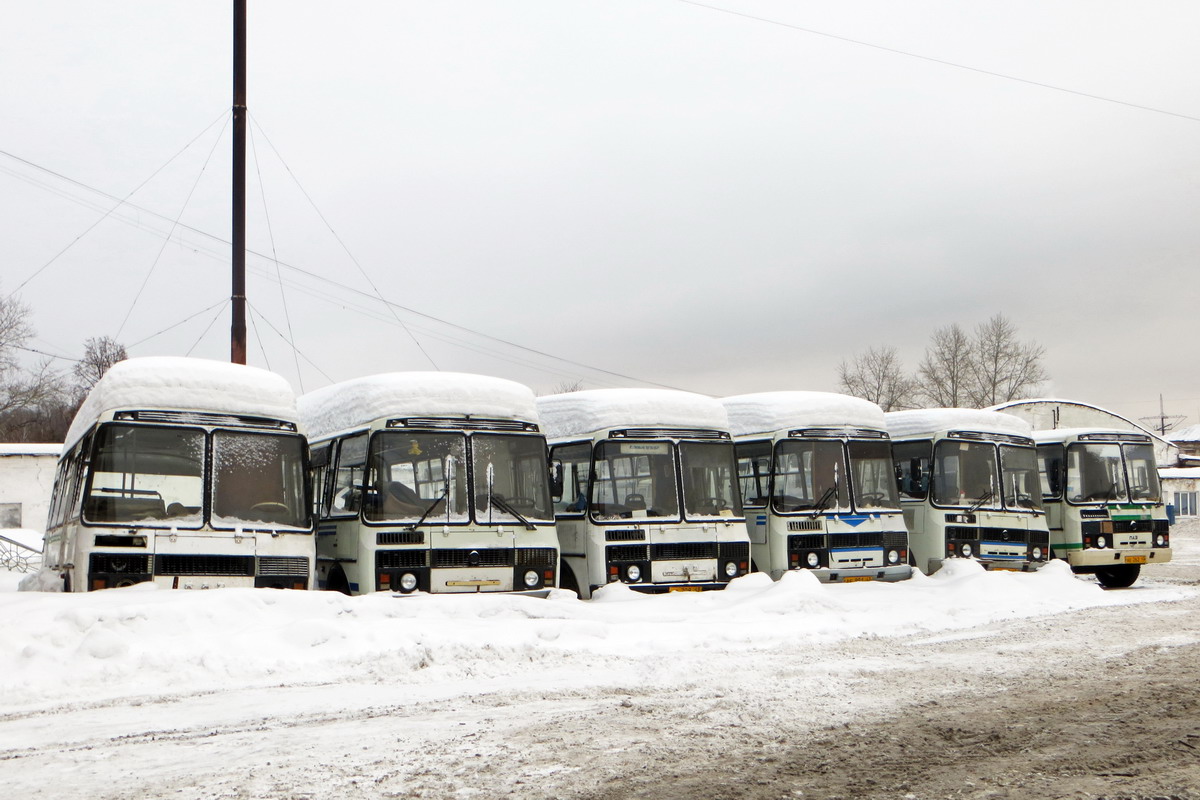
pixel 26 480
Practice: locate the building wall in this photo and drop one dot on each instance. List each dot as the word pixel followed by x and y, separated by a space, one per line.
pixel 1182 481
pixel 26 481
pixel 1046 415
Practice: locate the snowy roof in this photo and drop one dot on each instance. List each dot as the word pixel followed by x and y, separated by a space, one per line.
pixel 1030 401
pixel 186 384
pixel 585 413
pixel 931 420
pixel 776 411
pixel 30 449
pixel 1061 434
pixel 1189 434
pixel 359 402
pixel 1181 473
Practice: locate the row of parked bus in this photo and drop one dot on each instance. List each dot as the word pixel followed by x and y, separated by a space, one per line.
pixel 196 474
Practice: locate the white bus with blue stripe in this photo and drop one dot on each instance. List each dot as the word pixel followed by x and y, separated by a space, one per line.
pixel 969 487
pixel 815 471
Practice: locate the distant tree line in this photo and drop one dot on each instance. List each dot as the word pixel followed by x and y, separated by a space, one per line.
pixel 38 402
pixel 959 370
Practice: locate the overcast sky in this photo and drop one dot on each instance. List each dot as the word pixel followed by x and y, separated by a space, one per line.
pixel 677 194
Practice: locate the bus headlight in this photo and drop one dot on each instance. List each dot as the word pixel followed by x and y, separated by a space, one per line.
pixel 731 569
pixel 893 557
pixel 532 578
pixel 633 572
pixel 1037 554
pixel 1160 540
pixel 408 582
pixel 1101 542
pixel 966 550
pixel 814 560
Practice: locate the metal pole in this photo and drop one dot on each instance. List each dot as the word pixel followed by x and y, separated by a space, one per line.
pixel 237 346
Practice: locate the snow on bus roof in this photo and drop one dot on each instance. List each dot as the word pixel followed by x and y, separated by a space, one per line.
pixel 776 411
pixel 585 413
pixel 930 420
pixel 186 384
pixel 358 402
pixel 1059 434
pixel 30 449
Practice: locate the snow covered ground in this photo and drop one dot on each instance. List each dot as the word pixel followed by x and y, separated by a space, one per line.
pixel 252 693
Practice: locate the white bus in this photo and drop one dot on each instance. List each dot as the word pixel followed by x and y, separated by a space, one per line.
pixel 185 472
pixel 817 483
pixel 969 488
pixel 645 490
pixel 1103 502
pixel 430 481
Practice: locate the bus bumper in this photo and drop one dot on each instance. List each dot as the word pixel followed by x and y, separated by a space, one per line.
pixel 1091 559
pixel 900 572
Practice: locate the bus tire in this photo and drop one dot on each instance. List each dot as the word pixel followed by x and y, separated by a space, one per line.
pixel 1118 577
pixel 337 581
pixel 566 579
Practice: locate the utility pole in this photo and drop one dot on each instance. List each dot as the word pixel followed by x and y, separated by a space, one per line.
pixel 237 343
pixel 1164 421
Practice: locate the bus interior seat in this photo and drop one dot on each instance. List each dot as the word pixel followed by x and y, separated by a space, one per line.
pixel 635 502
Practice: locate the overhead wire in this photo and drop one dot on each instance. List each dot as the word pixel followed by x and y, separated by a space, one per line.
pixel 174 224
pixel 943 62
pixel 270 325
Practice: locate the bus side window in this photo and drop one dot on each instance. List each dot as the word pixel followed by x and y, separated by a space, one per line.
pixel 1051 463
pixel 576 460
pixel 911 461
pixel 754 473
pixel 318 477
pixel 348 480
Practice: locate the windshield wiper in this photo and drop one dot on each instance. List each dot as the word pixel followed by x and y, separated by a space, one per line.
pixel 823 503
pixel 429 510
pixel 985 497
pixel 503 505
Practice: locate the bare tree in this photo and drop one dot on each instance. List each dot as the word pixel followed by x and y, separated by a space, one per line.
pixel 564 386
pixel 878 376
pixel 1003 368
pixel 98 355
pixel 23 392
pixel 945 373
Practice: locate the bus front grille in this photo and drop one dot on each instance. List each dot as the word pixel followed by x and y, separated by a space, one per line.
pixel 293 566
pixel 537 557
pixel 815 541
pixel 733 551
pixel 401 559
pixel 869 539
pixel 627 552
pixel 400 537
pixel 483 557
pixel 806 525
pixel 178 564
pixel 683 551
pixel 625 536
pixel 119 564
pixel 895 539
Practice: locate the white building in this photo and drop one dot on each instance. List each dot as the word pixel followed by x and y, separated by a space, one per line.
pixel 1046 414
pixel 26 480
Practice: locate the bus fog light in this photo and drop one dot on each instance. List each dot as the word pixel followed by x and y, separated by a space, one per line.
pixel 633 572
pixel 966 550
pixel 731 569
pixel 893 557
pixel 1037 554
pixel 814 560
pixel 531 578
pixel 1101 542
pixel 408 582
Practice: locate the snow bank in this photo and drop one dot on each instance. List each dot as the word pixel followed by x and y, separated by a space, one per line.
pixel 142 641
pixel 923 421
pixel 358 402
pixel 186 384
pixel 777 411
pixel 585 413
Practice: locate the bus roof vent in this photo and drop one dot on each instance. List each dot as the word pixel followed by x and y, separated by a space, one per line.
pixel 201 418
pixel 1004 438
pixel 464 423
pixel 669 433
pixel 853 433
pixel 1114 437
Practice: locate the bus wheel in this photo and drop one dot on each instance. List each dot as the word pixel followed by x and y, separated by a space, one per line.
pixel 566 579
pixel 337 582
pixel 1118 577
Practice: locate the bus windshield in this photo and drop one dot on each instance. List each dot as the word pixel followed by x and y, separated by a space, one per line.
pixel 1022 486
pixel 416 476
pixel 634 479
pixel 512 479
pixel 709 489
pixel 1095 474
pixel 1143 472
pixel 258 478
pixel 871 475
pixel 147 475
pixel 810 476
pixel 964 474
